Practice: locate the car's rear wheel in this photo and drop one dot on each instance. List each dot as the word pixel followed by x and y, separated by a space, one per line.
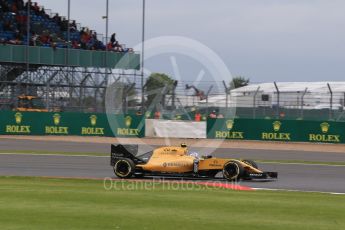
pixel 233 171
pixel 124 168
pixel 251 163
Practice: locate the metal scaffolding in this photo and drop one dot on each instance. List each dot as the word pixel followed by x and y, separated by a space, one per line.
pixel 69 88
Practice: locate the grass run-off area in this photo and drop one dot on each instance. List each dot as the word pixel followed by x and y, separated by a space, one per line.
pixel 44 203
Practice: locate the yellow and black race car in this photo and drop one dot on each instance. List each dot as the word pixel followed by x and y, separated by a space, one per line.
pixel 177 161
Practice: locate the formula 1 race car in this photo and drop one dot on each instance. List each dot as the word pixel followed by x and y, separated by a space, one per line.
pixel 172 161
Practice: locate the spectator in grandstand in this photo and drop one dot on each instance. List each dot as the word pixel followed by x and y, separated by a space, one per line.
pixel 21 19
pixel 1 15
pixel 113 39
pixel 45 38
pixel 20 4
pixel 117 47
pixel 90 45
pixel 17 40
pixel 36 8
pixel 75 44
pixel 57 19
pixel 53 45
pixel 73 26
pixel 4 6
pixel 14 8
pixel 110 46
pixel 64 25
pixel 7 25
pixel 34 39
pixel 27 5
pixel 42 13
pixel 17 23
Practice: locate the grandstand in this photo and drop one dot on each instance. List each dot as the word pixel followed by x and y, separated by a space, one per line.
pixel 47 55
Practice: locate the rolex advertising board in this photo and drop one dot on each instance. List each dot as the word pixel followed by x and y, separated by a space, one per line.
pixel 127 126
pixel 327 132
pixel 19 123
pixel 276 130
pixel 81 124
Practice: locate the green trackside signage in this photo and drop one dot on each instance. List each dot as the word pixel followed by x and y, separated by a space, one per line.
pixel 276 130
pixel 81 124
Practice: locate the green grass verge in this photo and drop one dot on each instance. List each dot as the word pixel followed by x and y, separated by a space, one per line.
pixel 42 203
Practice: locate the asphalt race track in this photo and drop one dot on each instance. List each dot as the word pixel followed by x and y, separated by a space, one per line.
pixel 76 147
pixel 323 178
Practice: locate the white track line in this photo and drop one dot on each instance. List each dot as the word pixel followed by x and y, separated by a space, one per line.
pixel 294 190
pixel 303 164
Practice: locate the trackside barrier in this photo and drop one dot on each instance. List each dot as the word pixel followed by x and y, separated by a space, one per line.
pixel 81 124
pixel 175 129
pixel 276 130
pixel 98 124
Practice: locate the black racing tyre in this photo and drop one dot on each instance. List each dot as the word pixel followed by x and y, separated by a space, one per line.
pixel 251 163
pixel 233 171
pixel 124 168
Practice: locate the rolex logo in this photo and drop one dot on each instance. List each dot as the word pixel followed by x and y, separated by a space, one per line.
pixel 277 125
pixel 128 121
pixel 56 118
pixel 325 127
pixel 93 120
pixel 18 117
pixel 229 124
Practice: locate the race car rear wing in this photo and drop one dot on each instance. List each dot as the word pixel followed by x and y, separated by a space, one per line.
pixel 124 151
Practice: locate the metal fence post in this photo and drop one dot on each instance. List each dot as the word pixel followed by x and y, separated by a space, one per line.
pixel 226 96
pixel 227 92
pixel 278 98
pixel 302 102
pixel 208 92
pixel 254 102
pixel 330 101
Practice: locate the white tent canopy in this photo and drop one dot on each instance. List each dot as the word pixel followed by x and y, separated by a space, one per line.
pixel 310 95
pixel 336 87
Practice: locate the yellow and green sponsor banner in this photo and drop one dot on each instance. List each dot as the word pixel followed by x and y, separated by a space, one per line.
pixel 64 123
pixel 276 130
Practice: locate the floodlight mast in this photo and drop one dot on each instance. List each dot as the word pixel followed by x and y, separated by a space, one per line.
pixel 142 59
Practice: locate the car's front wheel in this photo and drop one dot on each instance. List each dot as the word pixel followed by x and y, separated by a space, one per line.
pixel 124 168
pixel 233 171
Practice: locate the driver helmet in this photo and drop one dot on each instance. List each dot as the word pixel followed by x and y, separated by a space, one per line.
pixel 193 154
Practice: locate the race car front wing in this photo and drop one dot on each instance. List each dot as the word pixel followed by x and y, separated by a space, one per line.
pixel 263 175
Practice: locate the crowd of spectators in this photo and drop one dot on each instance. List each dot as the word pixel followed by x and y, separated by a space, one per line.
pixel 46 30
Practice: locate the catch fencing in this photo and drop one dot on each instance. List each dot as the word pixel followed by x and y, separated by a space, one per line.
pixel 317 101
